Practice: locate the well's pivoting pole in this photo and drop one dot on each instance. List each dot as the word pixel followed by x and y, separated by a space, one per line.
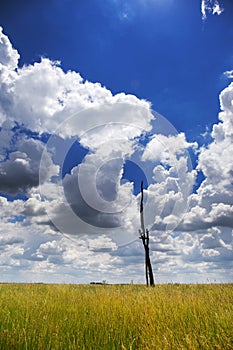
pixel 144 236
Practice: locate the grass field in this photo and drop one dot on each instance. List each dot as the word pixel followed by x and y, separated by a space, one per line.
pixel 39 316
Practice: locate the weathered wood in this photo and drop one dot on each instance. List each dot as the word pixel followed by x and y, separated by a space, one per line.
pixel 144 236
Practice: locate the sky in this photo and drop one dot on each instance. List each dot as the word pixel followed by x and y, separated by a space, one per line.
pixel 96 96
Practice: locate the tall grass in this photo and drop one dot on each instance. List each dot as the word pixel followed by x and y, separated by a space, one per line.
pixel 38 316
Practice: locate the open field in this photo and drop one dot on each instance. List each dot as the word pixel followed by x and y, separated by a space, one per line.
pixel 39 316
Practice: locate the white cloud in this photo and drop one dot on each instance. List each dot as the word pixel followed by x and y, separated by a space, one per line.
pixel 173 180
pixel 10 240
pixel 65 232
pixel 216 160
pixel 9 57
pixel 49 248
pixel 163 148
pixel 6 135
pixel 34 206
pixel 217 8
pixel 10 209
pixel 102 244
pixel 212 205
pixel 42 97
pixel 210 7
pixel 22 170
pixel 229 74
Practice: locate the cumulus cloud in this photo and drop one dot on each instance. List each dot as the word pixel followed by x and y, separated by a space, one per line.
pixel 41 96
pixel 22 170
pixel 92 198
pixel 9 57
pixel 204 234
pixel 34 206
pixel 5 241
pixel 173 180
pixel 212 205
pixel 163 148
pixel 102 244
pixel 6 136
pixel 215 160
pixel 50 248
pixel 82 223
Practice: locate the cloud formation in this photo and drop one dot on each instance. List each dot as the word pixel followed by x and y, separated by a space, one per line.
pixel 9 57
pixel 22 169
pixel 85 222
pixel 229 74
pixel 211 7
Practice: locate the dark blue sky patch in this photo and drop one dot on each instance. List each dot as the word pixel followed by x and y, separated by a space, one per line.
pixel 74 157
pixel 133 173
pixel 199 179
pixel 12 198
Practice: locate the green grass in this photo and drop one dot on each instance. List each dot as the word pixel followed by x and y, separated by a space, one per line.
pixel 39 316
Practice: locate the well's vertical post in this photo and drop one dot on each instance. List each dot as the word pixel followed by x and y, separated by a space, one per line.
pixel 144 236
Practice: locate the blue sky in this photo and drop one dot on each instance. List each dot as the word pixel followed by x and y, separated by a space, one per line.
pixel 159 50
pixel 137 93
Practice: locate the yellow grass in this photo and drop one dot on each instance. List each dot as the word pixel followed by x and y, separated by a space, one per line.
pixel 39 316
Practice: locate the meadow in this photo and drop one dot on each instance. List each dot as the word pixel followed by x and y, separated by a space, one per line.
pixel 120 317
